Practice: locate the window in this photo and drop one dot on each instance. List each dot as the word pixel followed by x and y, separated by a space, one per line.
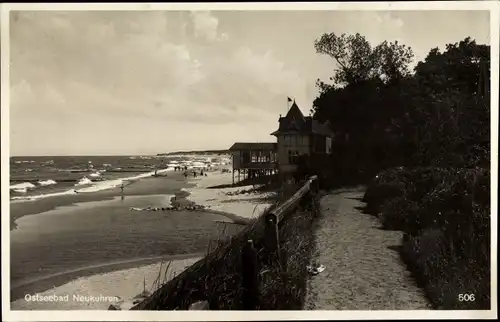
pixel 254 156
pixel 287 140
pixel 263 157
pixel 301 140
pixel 245 157
pixel 328 145
pixel 293 157
pixel 266 157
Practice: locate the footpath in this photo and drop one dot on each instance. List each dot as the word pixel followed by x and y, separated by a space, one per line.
pixel 363 270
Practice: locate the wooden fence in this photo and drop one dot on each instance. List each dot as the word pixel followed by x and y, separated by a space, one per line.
pixel 275 256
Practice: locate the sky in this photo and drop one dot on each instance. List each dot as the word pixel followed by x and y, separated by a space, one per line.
pixel 148 82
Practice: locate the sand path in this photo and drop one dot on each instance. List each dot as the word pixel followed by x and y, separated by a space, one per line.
pixel 362 272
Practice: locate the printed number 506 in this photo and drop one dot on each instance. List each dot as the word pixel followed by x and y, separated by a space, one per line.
pixel 466 298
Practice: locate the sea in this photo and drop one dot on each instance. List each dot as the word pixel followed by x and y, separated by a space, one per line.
pixel 38 177
pixel 52 247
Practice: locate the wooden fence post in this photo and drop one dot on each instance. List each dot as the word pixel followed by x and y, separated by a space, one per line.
pixel 272 237
pixel 283 259
pixel 315 185
pixel 250 276
pixel 304 201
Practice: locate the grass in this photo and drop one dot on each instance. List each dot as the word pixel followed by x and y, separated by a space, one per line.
pixel 217 277
pixel 445 215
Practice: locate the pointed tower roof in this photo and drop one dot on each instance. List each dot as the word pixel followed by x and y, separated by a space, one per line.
pixel 294 113
pixel 295 121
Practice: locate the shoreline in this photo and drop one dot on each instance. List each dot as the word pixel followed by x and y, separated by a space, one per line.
pixel 182 199
pixel 229 201
pixel 123 284
pixel 53 281
pixel 182 195
pixel 19 209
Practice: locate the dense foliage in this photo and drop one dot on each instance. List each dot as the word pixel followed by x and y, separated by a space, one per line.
pixel 445 215
pixel 424 137
pixel 383 115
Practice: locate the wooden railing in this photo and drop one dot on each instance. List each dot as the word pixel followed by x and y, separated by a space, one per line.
pixel 273 255
pixel 276 256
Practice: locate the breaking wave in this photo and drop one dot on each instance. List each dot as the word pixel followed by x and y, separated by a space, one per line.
pixel 22 187
pixel 47 182
pixel 95 175
pixel 83 181
pixel 92 186
pixel 24 161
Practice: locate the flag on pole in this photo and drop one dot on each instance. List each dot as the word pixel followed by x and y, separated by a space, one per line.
pixel 289 99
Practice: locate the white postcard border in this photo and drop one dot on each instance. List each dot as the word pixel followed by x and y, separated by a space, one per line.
pixel 9 315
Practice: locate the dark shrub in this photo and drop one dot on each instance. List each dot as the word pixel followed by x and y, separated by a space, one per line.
pixel 386 185
pixel 443 275
pixel 445 215
pixel 397 213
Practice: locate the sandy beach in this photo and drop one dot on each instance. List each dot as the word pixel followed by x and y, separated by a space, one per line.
pixel 247 205
pixel 139 239
pixel 99 291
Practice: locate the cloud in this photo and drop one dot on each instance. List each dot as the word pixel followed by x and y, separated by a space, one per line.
pixel 78 65
pixel 205 25
pixel 111 59
pixel 90 75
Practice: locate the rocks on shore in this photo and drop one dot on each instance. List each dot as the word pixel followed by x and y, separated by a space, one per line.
pixel 241 192
pixel 171 208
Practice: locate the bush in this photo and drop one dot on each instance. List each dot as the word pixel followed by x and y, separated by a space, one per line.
pixel 398 214
pixel 444 275
pixel 445 215
pixel 386 185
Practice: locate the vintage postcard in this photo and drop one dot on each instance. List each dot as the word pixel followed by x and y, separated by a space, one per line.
pixel 253 161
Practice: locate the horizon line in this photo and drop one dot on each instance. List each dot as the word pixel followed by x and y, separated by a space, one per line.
pixel 115 155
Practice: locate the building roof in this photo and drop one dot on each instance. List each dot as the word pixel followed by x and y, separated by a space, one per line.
pixel 295 121
pixel 253 146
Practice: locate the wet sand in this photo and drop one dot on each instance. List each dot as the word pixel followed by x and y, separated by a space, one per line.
pixel 170 183
pixel 124 283
pixel 61 238
pixel 57 280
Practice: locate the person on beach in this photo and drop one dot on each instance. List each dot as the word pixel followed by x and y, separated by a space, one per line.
pixel 122 187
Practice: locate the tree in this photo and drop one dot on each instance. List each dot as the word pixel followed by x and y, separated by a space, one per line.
pixel 384 115
pixel 459 67
pixel 393 60
pixel 451 105
pixel 359 62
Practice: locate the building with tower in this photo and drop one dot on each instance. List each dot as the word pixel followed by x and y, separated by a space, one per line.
pixel 297 135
